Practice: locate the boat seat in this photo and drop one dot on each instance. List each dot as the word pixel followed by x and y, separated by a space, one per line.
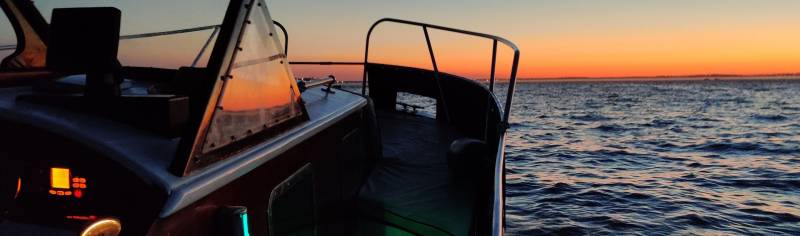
pixel 412 186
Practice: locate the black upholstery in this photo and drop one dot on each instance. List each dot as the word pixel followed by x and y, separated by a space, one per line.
pixel 413 181
pixel 467 158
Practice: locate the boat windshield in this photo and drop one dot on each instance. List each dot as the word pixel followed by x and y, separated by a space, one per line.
pixel 160 34
pixel 8 40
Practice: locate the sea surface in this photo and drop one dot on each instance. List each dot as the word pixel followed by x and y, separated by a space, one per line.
pixel 654 158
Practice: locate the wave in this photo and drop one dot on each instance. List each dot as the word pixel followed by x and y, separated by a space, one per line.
pixel 589 117
pixel 773 216
pixel 769 117
pixel 559 188
pixel 743 148
pixel 696 219
pixel 727 147
pixel 612 128
pixel 660 123
pixel 782 184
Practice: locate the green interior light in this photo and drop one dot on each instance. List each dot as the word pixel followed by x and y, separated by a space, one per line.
pixel 245 228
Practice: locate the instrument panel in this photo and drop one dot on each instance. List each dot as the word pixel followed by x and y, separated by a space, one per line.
pixel 50 180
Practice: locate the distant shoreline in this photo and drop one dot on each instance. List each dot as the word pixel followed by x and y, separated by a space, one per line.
pixel 646 79
pixel 634 79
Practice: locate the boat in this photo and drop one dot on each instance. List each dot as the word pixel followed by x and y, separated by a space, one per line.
pixel 101 140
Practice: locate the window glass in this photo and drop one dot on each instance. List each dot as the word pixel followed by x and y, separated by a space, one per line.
pixel 8 39
pixel 149 16
pixel 261 92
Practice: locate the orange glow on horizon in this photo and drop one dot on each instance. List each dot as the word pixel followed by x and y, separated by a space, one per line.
pixel 771 51
pixel 587 39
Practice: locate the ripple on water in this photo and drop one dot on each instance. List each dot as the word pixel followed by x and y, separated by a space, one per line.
pixel 781 184
pixel 612 128
pixel 769 117
pixel 727 147
pixel 660 123
pixel 589 117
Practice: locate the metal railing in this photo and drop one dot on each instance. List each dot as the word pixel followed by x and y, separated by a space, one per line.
pixel 495 40
pixel 498 201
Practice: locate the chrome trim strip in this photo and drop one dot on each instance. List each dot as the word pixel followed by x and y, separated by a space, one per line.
pixel 192 188
pixel 498 203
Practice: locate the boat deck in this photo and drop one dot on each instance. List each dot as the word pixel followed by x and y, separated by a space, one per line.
pixel 412 186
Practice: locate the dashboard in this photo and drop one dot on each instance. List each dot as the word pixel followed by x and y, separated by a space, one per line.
pixel 55 182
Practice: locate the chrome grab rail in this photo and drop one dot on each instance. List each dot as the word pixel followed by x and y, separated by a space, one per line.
pixel 8 47
pixel 328 81
pixel 495 40
pixel 498 196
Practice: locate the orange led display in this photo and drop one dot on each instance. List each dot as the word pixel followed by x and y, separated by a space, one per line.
pixel 59 178
pixel 89 217
pixel 19 187
pixel 64 183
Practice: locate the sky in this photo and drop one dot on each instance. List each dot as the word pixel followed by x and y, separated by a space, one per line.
pixel 562 38
pixel 565 38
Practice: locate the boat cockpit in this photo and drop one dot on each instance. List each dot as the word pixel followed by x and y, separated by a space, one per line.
pixel 129 118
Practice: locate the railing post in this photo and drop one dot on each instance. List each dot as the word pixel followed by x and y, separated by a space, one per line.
pixel 285 38
pixel 203 50
pixel 494 61
pixel 436 75
pixel 366 58
pixel 510 93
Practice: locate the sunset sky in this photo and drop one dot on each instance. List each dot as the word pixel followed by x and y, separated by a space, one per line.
pixel 565 38
pixel 560 38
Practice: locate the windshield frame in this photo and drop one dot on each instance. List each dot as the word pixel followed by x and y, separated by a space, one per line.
pixel 190 156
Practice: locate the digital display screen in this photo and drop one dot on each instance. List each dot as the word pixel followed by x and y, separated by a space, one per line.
pixel 64 183
pixel 59 178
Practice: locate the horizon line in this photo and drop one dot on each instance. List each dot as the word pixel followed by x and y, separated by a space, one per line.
pixel 663 76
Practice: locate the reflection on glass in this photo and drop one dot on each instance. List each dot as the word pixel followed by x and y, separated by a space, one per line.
pixel 167 51
pixel 8 38
pixel 261 92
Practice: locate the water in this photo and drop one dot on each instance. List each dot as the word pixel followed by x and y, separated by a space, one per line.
pixel 654 158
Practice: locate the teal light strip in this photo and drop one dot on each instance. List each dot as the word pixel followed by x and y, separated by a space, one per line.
pixel 245 228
